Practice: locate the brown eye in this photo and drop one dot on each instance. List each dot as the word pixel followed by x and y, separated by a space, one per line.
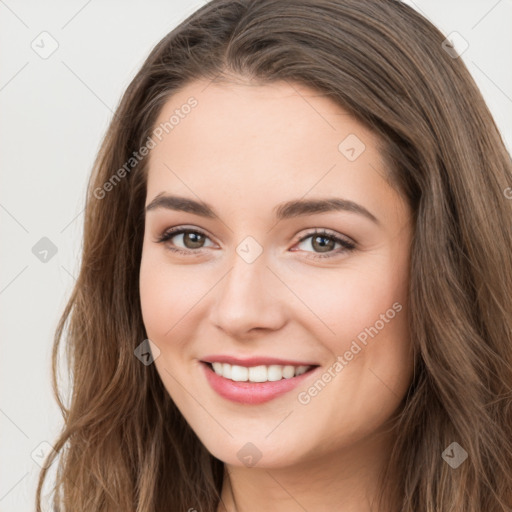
pixel 322 243
pixel 193 240
pixel 183 240
pixel 325 242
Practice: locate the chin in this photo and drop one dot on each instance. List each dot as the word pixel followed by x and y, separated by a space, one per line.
pixel 242 452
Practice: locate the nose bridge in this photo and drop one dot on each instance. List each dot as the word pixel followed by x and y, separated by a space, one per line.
pixel 243 300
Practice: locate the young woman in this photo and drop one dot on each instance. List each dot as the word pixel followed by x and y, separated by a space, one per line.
pixel 296 283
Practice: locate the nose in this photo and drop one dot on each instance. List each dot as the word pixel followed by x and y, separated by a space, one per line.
pixel 249 299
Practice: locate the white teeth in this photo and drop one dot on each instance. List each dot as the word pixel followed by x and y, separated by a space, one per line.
pixel 239 373
pixel 259 373
pixel 301 369
pixel 274 372
pixel 226 370
pixel 288 372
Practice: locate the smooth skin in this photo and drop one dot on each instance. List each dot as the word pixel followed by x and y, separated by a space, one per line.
pixel 244 149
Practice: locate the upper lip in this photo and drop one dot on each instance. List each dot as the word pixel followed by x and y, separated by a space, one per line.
pixel 255 361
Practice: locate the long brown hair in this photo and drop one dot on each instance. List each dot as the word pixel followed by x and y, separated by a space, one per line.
pixel 124 445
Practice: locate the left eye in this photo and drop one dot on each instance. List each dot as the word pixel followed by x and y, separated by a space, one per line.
pixel 325 242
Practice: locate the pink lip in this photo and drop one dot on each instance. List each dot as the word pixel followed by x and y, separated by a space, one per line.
pixel 255 361
pixel 252 393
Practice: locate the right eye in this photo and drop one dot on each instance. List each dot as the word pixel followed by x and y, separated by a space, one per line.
pixel 191 239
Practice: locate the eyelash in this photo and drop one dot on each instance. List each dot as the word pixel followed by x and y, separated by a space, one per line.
pixel 347 246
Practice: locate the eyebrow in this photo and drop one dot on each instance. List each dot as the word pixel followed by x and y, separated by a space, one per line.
pixel 287 210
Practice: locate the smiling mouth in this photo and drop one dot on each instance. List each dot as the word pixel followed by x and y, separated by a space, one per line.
pixel 258 373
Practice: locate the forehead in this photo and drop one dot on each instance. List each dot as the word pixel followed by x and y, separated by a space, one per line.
pixel 264 144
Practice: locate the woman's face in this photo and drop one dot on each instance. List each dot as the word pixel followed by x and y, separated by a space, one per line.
pixel 253 172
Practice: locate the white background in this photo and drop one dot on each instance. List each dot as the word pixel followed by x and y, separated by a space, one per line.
pixel 54 113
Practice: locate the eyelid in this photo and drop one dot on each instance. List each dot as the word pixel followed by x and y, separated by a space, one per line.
pixel 178 230
pixel 328 233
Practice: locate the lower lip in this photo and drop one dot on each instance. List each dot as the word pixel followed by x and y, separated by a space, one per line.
pixel 252 393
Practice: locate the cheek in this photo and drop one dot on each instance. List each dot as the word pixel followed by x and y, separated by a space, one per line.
pixel 157 299
pixel 167 297
pixel 370 370
pixel 167 292
pixel 345 304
